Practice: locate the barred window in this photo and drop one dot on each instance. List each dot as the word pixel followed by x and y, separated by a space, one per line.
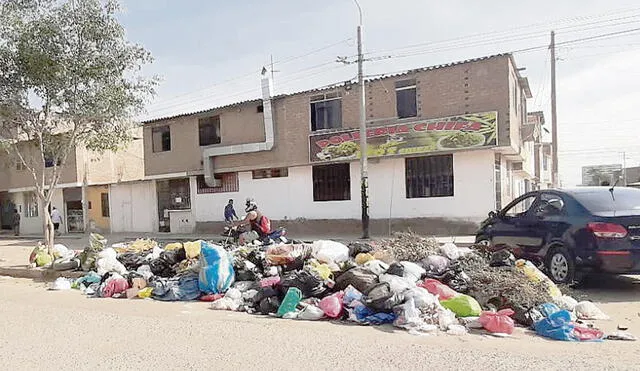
pixel 406 101
pixel 332 182
pixel 430 176
pixel 228 183
pixel 280 172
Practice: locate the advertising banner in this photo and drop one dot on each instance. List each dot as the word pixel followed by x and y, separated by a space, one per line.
pixel 446 134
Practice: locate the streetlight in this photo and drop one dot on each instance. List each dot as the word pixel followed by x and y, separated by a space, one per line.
pixel 364 177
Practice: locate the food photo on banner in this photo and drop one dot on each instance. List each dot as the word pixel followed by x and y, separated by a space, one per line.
pixel 446 134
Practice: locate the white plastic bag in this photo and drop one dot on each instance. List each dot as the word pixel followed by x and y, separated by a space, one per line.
pixel 450 250
pixel 566 302
pixel 61 251
pixel 61 283
pixel 586 310
pixel 232 300
pixel 421 297
pixel 457 330
pixel 330 252
pixel 446 318
pixel 311 313
pixel 397 284
pixel 376 267
pixel 409 318
pixel 107 262
pixel 413 271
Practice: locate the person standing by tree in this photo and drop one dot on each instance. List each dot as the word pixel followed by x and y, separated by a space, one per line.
pixel 16 222
pixel 56 219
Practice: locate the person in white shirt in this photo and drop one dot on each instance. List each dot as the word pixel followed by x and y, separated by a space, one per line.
pixel 56 218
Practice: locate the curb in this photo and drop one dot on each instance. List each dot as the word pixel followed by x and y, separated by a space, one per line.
pixel 38 274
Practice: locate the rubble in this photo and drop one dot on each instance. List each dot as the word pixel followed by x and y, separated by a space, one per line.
pixel 407 280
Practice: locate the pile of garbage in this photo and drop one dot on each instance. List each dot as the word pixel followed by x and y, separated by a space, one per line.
pixel 408 281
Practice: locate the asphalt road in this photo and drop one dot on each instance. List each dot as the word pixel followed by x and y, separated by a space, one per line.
pixel 64 330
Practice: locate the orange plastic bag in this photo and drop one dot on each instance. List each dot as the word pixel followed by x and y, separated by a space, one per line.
pixel 498 322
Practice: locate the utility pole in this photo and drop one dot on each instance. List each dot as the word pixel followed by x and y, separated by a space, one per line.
pixel 554 113
pixel 624 168
pixel 364 176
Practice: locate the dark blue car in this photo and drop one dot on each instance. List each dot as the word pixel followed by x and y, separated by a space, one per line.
pixel 570 231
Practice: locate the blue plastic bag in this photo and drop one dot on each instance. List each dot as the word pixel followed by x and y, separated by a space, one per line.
pixel 548 309
pixel 216 269
pixel 367 316
pixel 556 326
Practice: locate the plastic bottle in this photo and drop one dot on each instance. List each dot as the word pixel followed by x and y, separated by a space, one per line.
pixel 290 301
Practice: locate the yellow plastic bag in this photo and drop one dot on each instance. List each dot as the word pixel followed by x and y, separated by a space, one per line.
pixel 145 293
pixel 192 249
pixel 173 246
pixel 535 275
pixel 322 270
pixel 363 258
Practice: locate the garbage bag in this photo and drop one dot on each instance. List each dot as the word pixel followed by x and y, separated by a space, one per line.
pixel 43 258
pixel 377 267
pixel 435 264
pixel 263 293
pixel 365 315
pixel 61 283
pixel 166 264
pixel 566 302
pixel 65 264
pixel 408 317
pixel 362 279
pixel 381 298
pixel 356 248
pixel 586 310
pixel 412 271
pixel 450 250
pixel 131 260
pixel 61 251
pixel 502 258
pixel 311 313
pixel 584 333
pixel 446 318
pixel 183 288
pixel 114 287
pixel 269 305
pixel 192 249
pixel 330 252
pixel 556 326
pixel 269 281
pixel 463 306
pixel 287 254
pixel 396 283
pixel 395 269
pixel 290 301
pixel 321 270
pixel 145 293
pixel 309 285
pixel 535 275
pixel 172 246
pixel 232 301
pixel 332 305
pixel 362 258
pixel 107 262
pixel 436 287
pixel 498 322
pixel 421 297
pixel 216 269
pixel 547 309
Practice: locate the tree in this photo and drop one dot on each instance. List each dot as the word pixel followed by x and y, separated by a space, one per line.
pixel 68 78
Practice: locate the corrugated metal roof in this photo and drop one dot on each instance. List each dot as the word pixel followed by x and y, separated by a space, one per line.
pixel 336 85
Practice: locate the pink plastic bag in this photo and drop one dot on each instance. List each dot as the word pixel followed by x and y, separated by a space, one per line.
pixel 498 322
pixel 584 333
pixel 436 287
pixel 269 281
pixel 115 286
pixel 332 305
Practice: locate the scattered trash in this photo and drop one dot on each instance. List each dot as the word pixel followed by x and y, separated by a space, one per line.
pixel 621 335
pixel 586 310
pixel 498 322
pixel 61 283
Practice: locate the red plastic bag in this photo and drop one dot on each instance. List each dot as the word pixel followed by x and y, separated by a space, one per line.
pixel 332 305
pixel 436 287
pixel 584 333
pixel 498 322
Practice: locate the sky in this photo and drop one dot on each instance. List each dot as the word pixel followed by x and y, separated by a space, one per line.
pixel 210 53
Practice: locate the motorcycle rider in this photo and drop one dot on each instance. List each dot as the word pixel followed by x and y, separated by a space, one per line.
pixel 260 224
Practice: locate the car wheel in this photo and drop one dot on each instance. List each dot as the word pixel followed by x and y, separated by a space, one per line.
pixel 560 266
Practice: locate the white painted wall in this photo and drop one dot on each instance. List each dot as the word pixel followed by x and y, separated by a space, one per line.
pixel 133 207
pixel 292 197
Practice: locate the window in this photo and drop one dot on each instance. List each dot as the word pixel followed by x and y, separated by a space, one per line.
pixel 550 204
pixel 20 166
pixel 271 173
pixel 406 102
pixel 161 139
pixel 209 129
pixel 520 208
pixel 332 182
pixel 49 161
pixel 326 112
pixel 260 109
pixel 228 183
pixel 31 205
pixel 430 176
pixel 104 202
pixel 545 162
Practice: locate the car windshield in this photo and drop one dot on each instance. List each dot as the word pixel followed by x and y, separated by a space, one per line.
pixel 597 202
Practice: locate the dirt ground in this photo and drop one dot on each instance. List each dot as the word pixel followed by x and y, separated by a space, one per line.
pixel 65 330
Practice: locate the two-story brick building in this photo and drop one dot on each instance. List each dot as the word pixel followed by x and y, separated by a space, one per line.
pixel 441 141
pixel 99 170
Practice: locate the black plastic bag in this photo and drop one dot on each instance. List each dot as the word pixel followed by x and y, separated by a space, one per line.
pixel 502 258
pixel 309 285
pixel 360 278
pixel 381 298
pixel 356 248
pixel 396 269
pixel 269 305
pixel 526 316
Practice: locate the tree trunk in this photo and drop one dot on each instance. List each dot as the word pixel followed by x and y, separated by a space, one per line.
pixel 48 228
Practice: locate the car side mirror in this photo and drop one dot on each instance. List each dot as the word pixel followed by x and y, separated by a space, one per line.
pixel 492 214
